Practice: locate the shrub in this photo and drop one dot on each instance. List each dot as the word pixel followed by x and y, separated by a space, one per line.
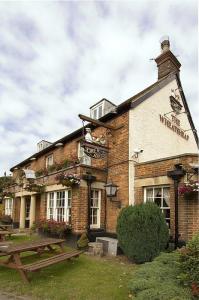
pixel 53 227
pixel 189 263
pixel 158 280
pixel 83 241
pixel 142 232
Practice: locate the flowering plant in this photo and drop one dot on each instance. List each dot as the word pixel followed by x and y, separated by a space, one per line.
pixel 68 179
pixel 34 187
pixel 188 187
pixel 53 227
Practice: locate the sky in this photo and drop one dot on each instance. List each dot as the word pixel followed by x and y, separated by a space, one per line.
pixel 57 58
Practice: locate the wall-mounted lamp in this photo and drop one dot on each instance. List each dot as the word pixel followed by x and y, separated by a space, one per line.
pixel 111 191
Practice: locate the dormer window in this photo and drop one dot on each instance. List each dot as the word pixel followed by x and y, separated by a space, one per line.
pixel 49 160
pixel 102 108
pixel 97 112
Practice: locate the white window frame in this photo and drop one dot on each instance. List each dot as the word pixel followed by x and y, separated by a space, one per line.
pixel 52 208
pixel 98 211
pixel 49 160
pixel 84 159
pixel 162 208
pixel 27 209
pixel 8 206
pixel 96 108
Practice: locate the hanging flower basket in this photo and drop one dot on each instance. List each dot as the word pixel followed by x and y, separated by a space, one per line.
pixel 189 190
pixel 68 179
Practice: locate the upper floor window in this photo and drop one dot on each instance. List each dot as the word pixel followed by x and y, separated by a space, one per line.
pixel 83 158
pixel 49 160
pixel 97 111
pixel 161 196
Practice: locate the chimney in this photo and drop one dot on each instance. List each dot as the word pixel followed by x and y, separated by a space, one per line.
pixel 167 63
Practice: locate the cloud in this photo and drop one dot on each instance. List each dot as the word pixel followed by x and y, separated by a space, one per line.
pixel 58 58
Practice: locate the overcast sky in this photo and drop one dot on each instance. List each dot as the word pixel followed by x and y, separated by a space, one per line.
pixel 58 58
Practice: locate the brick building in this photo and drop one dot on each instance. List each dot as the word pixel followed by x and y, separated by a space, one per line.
pixel 132 145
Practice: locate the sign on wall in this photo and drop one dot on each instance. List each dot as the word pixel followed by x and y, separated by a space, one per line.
pixel 174 125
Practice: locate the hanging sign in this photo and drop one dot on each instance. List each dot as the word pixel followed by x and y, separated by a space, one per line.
pixel 94 150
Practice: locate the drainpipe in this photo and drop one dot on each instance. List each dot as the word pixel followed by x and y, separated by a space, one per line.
pixel 89 179
pixel 176 175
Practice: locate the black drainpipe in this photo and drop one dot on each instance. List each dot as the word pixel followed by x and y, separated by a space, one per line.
pixel 176 175
pixel 89 178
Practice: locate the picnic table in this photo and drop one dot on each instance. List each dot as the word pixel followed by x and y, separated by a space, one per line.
pixel 14 251
pixel 3 234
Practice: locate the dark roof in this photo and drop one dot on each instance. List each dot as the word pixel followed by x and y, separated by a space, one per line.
pixel 124 106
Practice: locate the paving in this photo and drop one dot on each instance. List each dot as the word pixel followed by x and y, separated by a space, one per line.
pixel 8 296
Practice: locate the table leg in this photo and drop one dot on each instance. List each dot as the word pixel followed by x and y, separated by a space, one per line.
pixel 18 263
pixel 50 248
pixel 61 245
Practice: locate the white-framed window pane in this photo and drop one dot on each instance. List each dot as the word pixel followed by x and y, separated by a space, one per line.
pixel 49 160
pixel 95 208
pixel 59 206
pixel 161 196
pixel 8 206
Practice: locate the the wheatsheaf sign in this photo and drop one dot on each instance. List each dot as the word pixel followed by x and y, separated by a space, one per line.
pixel 174 125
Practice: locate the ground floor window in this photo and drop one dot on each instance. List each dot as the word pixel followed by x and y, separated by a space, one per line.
pixel 27 209
pixel 161 196
pixel 59 206
pixel 95 208
pixel 8 206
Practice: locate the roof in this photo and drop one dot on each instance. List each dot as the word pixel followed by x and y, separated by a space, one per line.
pixel 121 108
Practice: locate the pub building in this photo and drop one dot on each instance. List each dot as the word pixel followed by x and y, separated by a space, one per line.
pixel 141 150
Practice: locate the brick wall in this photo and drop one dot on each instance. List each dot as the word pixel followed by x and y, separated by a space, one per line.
pixel 154 171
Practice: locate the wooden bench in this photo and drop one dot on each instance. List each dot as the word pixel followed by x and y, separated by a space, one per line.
pixel 50 261
pixel 36 266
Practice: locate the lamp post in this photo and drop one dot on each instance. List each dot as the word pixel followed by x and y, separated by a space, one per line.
pixel 176 175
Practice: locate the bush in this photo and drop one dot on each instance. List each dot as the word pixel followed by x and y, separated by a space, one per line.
pixel 52 227
pixel 158 280
pixel 142 232
pixel 83 241
pixel 189 263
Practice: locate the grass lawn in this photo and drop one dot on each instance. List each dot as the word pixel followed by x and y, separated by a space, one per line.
pixel 84 278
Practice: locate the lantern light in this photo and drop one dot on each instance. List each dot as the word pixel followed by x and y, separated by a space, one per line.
pixel 111 189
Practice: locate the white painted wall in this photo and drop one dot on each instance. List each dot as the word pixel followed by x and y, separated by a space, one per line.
pixel 148 133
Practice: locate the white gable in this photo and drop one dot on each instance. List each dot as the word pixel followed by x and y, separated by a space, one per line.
pixel 160 135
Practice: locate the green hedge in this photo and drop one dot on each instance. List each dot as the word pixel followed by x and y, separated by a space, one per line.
pixel 189 263
pixel 142 232
pixel 158 280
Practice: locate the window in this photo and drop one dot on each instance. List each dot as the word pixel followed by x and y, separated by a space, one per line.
pixel 95 208
pixel 59 206
pixel 8 207
pixel 27 209
pixel 49 160
pixel 97 111
pixel 160 195
pixel 84 159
